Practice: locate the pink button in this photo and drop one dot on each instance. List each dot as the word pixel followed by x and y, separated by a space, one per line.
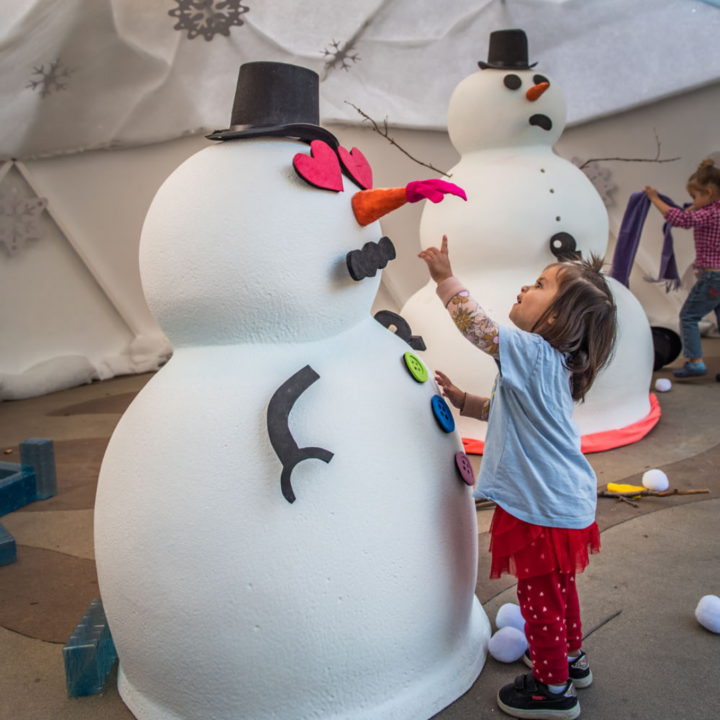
pixel 465 468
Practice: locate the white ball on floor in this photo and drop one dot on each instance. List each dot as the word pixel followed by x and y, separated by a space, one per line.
pixel 663 385
pixel 508 645
pixel 509 615
pixel 707 613
pixel 656 480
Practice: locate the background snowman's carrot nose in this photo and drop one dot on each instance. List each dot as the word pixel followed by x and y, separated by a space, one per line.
pixel 536 91
pixel 371 205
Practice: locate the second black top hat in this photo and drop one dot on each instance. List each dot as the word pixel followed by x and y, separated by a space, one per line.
pixel 276 100
pixel 508 51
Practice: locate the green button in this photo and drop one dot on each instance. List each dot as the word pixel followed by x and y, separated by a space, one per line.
pixel 415 367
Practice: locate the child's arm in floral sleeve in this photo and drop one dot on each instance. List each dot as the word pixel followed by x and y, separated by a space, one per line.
pixel 473 406
pixel 469 318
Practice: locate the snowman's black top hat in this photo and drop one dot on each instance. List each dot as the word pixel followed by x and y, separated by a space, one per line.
pixel 275 99
pixel 508 51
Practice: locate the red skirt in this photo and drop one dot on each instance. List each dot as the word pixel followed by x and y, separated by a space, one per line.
pixel 525 550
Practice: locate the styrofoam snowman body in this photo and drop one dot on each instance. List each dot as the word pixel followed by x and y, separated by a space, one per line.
pixel 520 195
pixel 226 601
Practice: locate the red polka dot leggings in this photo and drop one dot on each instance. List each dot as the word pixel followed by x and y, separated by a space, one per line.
pixel 549 604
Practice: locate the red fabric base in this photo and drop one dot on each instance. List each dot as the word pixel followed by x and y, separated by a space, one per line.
pixel 600 441
pixel 525 550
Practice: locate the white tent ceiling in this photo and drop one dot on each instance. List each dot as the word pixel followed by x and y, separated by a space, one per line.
pixel 82 74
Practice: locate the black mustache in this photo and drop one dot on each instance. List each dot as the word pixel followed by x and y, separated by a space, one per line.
pixel 373 257
pixel 542 121
pixel 281 439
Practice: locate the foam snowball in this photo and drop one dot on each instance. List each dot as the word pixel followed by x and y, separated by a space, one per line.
pixel 508 645
pixel 509 615
pixel 663 385
pixel 707 613
pixel 656 480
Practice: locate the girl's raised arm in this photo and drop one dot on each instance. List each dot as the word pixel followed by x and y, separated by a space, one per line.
pixel 469 318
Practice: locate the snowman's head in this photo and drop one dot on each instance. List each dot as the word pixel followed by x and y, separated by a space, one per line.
pixel 238 247
pixel 497 108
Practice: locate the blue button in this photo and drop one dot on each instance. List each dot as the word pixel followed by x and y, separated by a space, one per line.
pixel 442 414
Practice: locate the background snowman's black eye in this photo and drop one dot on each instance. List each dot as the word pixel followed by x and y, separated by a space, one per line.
pixel 540 79
pixel 512 82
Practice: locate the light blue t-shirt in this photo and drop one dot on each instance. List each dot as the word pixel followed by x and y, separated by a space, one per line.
pixel 532 466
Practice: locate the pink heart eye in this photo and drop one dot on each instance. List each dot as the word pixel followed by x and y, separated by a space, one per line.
pixel 357 166
pixel 321 168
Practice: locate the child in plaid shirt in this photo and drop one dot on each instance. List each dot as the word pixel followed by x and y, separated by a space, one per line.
pixel 704 217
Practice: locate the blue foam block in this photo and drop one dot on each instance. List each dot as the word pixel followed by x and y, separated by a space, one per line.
pixel 89 653
pixel 39 454
pixel 8 551
pixel 17 487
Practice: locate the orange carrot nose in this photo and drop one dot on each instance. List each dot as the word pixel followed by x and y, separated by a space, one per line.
pixel 371 205
pixel 536 91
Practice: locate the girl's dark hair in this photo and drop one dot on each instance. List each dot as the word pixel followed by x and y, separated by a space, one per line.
pixel 706 174
pixel 581 321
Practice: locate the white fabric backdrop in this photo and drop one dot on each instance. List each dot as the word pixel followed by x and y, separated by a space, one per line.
pixel 135 79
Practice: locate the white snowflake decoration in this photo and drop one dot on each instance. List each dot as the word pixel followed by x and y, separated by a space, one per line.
pixel 50 80
pixel 337 54
pixel 600 177
pixel 19 219
pixel 208 17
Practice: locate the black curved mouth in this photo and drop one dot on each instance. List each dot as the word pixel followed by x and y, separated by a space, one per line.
pixel 542 121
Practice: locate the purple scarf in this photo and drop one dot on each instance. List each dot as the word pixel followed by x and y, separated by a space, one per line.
pixel 629 239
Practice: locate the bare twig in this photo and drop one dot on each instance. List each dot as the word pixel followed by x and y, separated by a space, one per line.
pixel 648 493
pixel 656 159
pixel 604 622
pixel 385 133
pixel 625 500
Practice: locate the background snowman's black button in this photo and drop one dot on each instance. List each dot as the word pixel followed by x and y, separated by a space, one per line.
pixel 465 468
pixel 442 413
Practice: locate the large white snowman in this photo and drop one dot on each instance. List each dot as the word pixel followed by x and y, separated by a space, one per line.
pixel 281 529
pixel 526 209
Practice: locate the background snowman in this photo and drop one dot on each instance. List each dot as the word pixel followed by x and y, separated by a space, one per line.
pixel 526 209
pixel 282 530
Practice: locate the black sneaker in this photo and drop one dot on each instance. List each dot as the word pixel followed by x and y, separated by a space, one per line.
pixel 529 698
pixel 579 671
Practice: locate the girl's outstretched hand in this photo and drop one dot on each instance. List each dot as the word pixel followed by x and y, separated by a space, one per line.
pixel 454 394
pixel 651 192
pixel 438 261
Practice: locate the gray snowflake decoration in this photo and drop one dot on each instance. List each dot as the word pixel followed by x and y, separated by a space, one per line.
pixel 208 17
pixel 19 219
pixel 601 179
pixel 50 79
pixel 341 55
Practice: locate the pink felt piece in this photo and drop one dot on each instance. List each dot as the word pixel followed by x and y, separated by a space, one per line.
pixel 321 169
pixel 357 165
pixel 433 190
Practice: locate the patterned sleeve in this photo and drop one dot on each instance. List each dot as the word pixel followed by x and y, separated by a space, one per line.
pixel 476 407
pixel 469 318
pixel 692 218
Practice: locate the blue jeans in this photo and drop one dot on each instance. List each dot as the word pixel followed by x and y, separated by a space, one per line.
pixel 703 298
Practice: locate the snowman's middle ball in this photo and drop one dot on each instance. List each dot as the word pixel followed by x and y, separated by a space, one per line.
pixel 237 248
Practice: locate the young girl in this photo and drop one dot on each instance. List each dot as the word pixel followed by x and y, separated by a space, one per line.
pixel 704 216
pixel 545 490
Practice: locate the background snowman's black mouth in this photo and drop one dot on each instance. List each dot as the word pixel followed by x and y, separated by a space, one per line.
pixel 542 121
